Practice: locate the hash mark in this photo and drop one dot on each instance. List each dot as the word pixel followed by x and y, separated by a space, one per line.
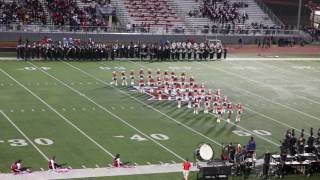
pixel 11 110
pixel 173 161
pixel 22 110
pixel 32 110
pixel 80 82
pixel 74 109
pixel 41 169
pixel 43 110
pixel 1 141
pixel 161 162
pixel 83 166
pixel 63 109
pixel 83 109
pixel 97 166
pixel 136 164
pixel 148 163
pixel 69 167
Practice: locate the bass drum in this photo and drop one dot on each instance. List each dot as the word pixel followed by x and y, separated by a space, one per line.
pixel 204 152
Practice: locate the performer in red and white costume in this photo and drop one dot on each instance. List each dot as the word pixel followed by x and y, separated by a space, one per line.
pixel 124 79
pixel 196 105
pixel 218 93
pixel 159 81
pixel 206 105
pixel 215 104
pixel 229 111
pixel 219 112
pixel 158 74
pixel 191 81
pixel 132 77
pixel 141 73
pixel 149 74
pixel 114 78
pixel 239 112
pixel 159 92
pixel 224 102
pixel 179 97
pixel 141 85
pixel 151 83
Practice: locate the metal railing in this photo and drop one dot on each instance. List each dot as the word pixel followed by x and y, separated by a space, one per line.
pixel 242 30
pixel 267 10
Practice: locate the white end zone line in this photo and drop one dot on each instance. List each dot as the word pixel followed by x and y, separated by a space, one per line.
pixel 109 112
pixel 272 142
pixel 141 102
pixel 25 136
pixel 60 115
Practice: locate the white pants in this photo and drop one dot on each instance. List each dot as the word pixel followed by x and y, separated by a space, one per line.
pixel 185 174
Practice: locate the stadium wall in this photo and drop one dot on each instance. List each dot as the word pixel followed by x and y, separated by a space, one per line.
pixel 128 37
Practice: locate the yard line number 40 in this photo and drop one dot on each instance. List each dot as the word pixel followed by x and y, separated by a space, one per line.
pixel 257 131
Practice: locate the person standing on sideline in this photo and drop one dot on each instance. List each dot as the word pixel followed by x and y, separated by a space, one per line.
pixel 186 168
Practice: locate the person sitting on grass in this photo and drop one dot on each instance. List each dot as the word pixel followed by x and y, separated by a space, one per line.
pixel 52 164
pixel 17 168
pixel 116 161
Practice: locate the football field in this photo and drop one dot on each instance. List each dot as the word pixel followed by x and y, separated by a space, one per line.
pixel 70 110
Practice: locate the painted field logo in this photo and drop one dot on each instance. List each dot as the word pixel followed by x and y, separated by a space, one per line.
pixel 104 68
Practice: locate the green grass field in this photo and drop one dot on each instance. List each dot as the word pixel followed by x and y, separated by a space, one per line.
pixel 70 110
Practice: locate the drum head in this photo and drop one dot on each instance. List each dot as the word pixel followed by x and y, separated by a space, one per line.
pixel 205 152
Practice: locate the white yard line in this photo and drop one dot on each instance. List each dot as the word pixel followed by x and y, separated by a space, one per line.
pixel 109 112
pixel 24 135
pixel 259 136
pixel 147 105
pixel 60 115
pixel 248 79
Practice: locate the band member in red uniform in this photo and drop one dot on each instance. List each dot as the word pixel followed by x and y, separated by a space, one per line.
pixel 215 104
pixel 229 111
pixel 219 114
pixel 132 77
pixel 196 105
pixel 179 97
pixel 149 74
pixel 141 85
pixel 183 75
pixel 151 84
pixel 141 73
pixel 159 92
pixel 158 74
pixel 124 79
pixel 239 112
pixel 190 96
pixel 173 75
pixel 206 105
pixel 224 102
pixel 218 93
pixel 159 81
pixel 191 81
pixel 166 74
pixel 114 78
